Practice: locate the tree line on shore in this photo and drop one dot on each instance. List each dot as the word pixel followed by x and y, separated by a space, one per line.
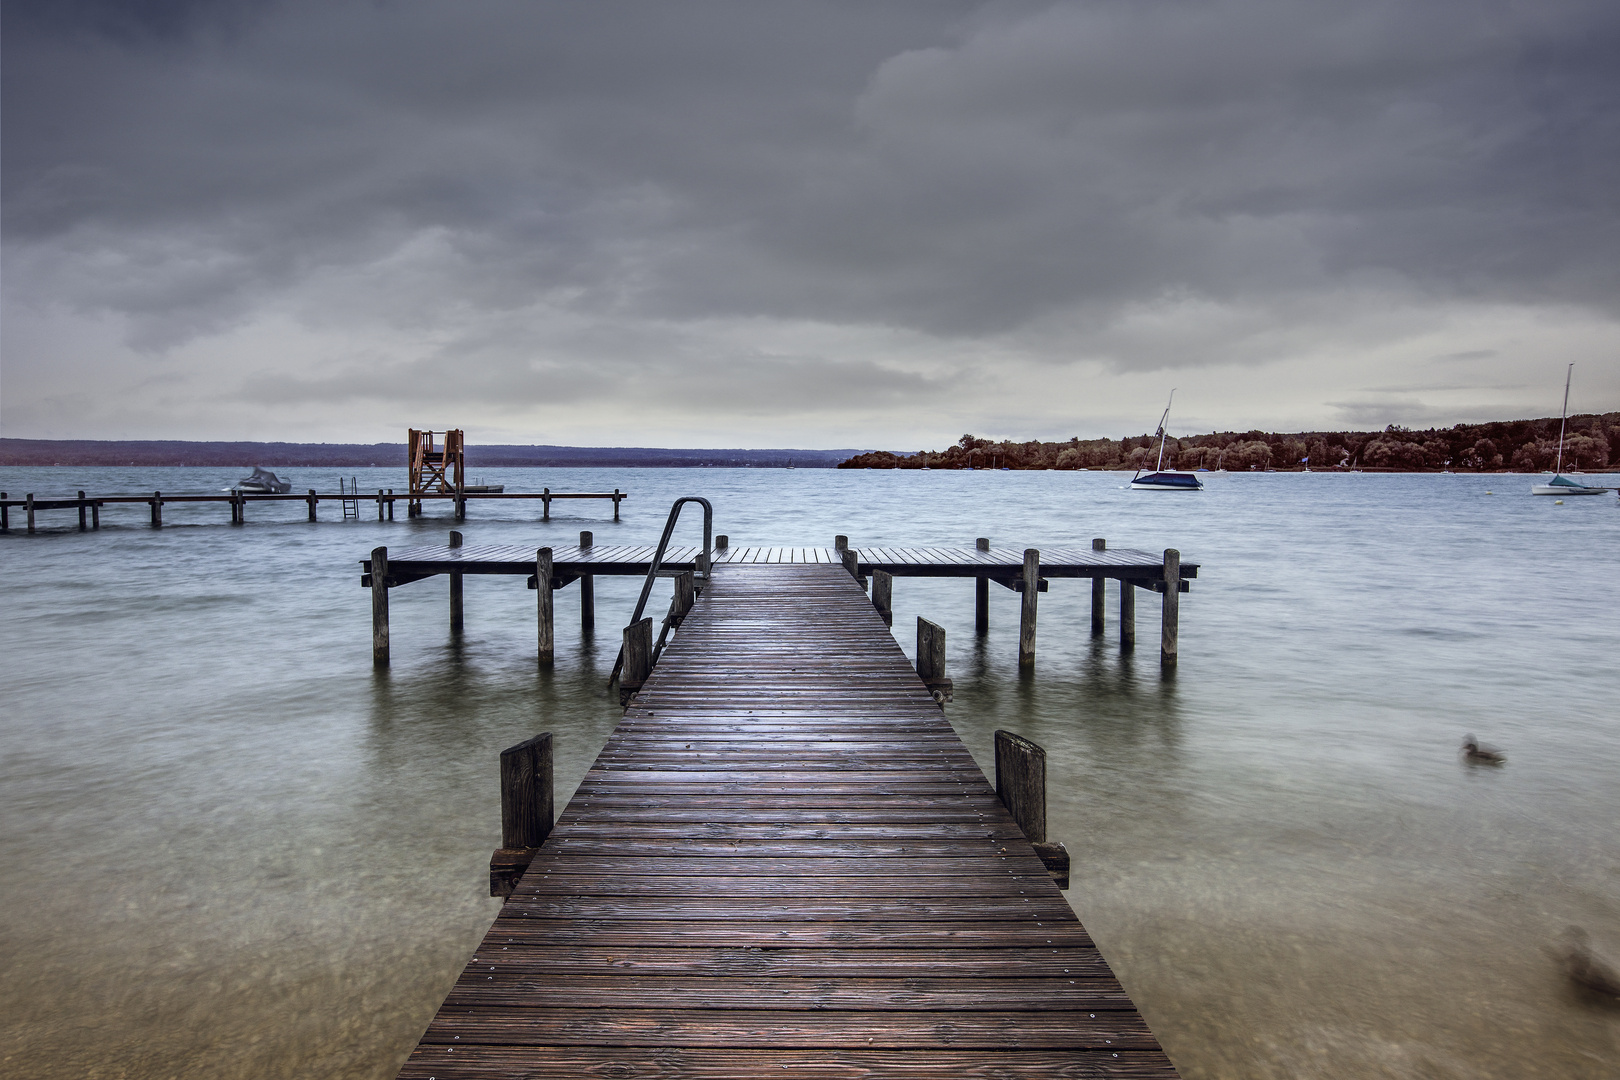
pixel 1502 446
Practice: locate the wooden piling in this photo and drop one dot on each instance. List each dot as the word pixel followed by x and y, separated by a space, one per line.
pixel 379 607
pixel 931 660
pixel 313 502
pixel 685 596
pixel 5 513
pixel 722 542
pixel 1099 597
pixel 883 595
pixel 456 621
pixel 840 544
pixel 1026 622
pixel 981 593
pixel 1127 615
pixel 587 591
pixel 545 504
pixel 30 500
pixel 157 509
pixel 527 811
pixel 1172 607
pixel 95 512
pixel 1021 787
pixel 379 504
pixel 616 498
pixel 83 524
pixel 390 504
pixel 542 585
pixel 637 659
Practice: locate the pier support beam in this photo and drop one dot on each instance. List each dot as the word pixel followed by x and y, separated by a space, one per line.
pixel 587 591
pixel 527 811
pixel 157 510
pixel 1099 596
pixel 30 509
pixel 1021 787
pixel 83 524
pixel 1172 608
pixel 455 592
pixel 981 593
pixel 379 607
pixel 542 586
pixel 1127 615
pixel 616 498
pixel 931 660
pixel 637 659
pixel 1026 622
pixel 545 504
pixel 883 595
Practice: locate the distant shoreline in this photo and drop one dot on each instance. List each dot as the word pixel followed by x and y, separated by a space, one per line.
pixel 1591 443
pixel 271 455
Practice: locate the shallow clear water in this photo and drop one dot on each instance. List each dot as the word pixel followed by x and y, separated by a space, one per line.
pixel 231 849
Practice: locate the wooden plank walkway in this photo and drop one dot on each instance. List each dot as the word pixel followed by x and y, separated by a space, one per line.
pixel 410 564
pixel 785 863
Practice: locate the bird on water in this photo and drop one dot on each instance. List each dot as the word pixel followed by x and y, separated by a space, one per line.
pixel 1478 753
pixel 1585 968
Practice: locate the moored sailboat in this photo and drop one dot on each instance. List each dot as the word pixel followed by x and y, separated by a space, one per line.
pixel 1561 484
pixel 1158 479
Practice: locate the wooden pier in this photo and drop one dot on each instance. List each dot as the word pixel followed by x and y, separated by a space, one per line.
pixel 1024 570
pixel 784 863
pixel 90 506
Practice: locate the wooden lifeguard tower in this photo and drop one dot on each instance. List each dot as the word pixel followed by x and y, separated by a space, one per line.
pixel 435 467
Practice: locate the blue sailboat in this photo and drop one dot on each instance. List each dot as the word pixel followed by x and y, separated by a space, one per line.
pixel 1158 479
pixel 1561 484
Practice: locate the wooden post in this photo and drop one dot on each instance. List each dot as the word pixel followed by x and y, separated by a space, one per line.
pixel 157 509
pixel 931 660
pixel 637 659
pixel 1026 622
pixel 527 811
pixel 391 504
pixel 312 501
pixel 840 544
pixel 883 595
pixel 685 594
pixel 1127 615
pixel 461 505
pixel 542 585
pixel 545 505
pixel 587 591
pixel 1021 783
pixel 1099 595
pixel 95 512
pixel 456 621
pixel 30 500
pixel 379 607
pixel 1021 786
pixel 5 513
pixel 981 593
pixel 83 523
pixel 1172 605
pixel 852 563
pixel 379 504
pixel 721 542
pixel 616 498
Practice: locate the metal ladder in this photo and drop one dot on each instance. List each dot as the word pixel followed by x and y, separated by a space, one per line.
pixel 654 572
pixel 350 490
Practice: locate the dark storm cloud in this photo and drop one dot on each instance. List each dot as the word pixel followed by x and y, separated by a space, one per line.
pixel 957 170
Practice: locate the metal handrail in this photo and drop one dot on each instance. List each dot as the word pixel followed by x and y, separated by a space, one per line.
pixel 658 561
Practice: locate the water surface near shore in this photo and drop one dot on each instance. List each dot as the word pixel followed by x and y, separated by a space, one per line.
pixel 231 849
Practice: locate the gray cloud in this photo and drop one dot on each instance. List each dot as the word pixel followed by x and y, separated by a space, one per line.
pixel 542 190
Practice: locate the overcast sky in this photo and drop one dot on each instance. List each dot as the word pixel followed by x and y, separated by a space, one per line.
pixel 803 224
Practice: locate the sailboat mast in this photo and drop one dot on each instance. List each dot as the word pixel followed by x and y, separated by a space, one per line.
pixel 1562 420
pixel 1160 466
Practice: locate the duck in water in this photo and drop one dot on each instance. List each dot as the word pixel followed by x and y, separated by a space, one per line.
pixel 1477 753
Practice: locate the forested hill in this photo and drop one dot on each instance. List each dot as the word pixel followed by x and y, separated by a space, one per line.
pixel 1505 446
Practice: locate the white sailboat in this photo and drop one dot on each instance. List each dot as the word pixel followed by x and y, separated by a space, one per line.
pixel 1561 484
pixel 1158 479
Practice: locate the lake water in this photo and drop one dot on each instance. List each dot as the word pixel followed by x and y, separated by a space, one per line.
pixel 231 849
